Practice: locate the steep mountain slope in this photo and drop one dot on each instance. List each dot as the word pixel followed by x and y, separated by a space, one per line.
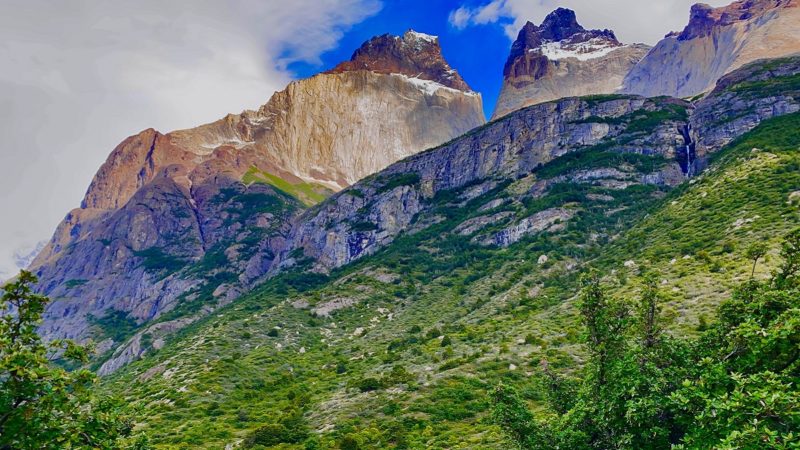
pixel 561 59
pixel 715 42
pixel 331 235
pixel 399 348
pixel 198 213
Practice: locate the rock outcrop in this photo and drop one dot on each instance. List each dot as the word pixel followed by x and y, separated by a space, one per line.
pixel 193 214
pixel 561 59
pixel 546 220
pixel 715 42
pixel 742 100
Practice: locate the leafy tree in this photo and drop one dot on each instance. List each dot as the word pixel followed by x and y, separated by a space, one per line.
pixel 756 251
pixel 786 275
pixel 604 320
pixel 649 311
pixel 560 391
pixel 736 386
pixel 743 389
pixel 43 406
pixel 517 421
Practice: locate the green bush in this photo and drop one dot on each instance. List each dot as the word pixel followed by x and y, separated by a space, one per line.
pixel 397 180
pixel 369 384
pixel 155 259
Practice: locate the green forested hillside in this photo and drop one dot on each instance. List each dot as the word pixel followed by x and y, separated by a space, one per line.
pixel 402 349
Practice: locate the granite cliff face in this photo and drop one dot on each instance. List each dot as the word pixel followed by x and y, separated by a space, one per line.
pixel 197 214
pixel 561 59
pixel 715 42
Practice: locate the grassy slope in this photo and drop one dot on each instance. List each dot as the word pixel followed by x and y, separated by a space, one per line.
pixel 308 193
pixel 501 311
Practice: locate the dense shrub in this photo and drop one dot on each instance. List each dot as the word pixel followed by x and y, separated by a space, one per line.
pixel 291 428
pixel 734 387
pixel 369 384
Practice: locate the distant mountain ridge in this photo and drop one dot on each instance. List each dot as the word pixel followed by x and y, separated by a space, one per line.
pixel 715 42
pixel 560 58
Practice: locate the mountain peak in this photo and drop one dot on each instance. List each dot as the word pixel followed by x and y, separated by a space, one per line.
pixel 560 24
pixel 703 17
pixel 412 36
pixel 414 54
pixel 559 36
pixel 716 41
pixel 560 58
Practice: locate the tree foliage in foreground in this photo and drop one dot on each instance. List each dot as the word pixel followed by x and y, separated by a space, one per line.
pixel 43 406
pixel 736 386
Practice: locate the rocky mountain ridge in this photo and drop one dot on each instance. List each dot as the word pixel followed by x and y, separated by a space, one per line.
pixel 222 195
pixel 416 55
pixel 683 134
pixel 175 225
pixel 560 58
pixel 715 42
pixel 674 136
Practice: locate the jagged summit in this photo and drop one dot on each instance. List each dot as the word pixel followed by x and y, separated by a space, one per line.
pixel 715 42
pixel 563 24
pixel 560 24
pixel 559 36
pixel 703 17
pixel 414 54
pixel 561 58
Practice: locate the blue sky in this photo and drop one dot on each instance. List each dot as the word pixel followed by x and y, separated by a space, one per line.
pixel 477 53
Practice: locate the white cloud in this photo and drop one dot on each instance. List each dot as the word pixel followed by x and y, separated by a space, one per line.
pixel 632 20
pixel 460 18
pixel 77 77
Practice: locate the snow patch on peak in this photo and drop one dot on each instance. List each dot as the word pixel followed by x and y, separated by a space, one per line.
pixel 421 36
pixel 583 51
pixel 234 142
pixel 430 87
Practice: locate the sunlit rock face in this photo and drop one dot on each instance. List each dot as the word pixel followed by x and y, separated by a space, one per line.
pixel 197 213
pixel 559 59
pixel 715 42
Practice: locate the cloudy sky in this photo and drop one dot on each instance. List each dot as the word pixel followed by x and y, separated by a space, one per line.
pixel 78 76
